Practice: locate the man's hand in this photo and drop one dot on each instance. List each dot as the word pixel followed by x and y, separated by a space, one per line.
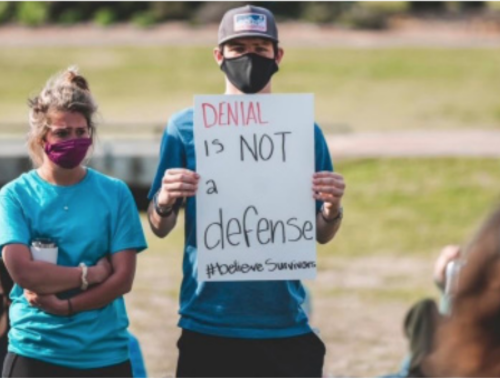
pixel 329 187
pixel 177 183
pixel 48 303
pixel 448 253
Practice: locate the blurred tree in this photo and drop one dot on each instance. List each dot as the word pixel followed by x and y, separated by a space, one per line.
pixel 70 16
pixel 31 13
pixel 174 10
pixel 472 6
pixel 372 14
pixel 125 10
pixel 68 12
pixel 6 10
pixel 427 6
pixel 144 19
pixel 212 12
pixel 361 14
pixel 105 16
pixel 324 12
pixel 284 10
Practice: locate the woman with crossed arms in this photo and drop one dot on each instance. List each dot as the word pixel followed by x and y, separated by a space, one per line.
pixel 68 319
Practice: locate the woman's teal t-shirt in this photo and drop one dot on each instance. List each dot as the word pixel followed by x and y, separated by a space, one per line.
pixel 88 220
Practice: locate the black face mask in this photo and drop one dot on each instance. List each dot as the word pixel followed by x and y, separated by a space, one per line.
pixel 250 72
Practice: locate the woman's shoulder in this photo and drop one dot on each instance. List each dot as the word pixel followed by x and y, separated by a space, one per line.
pixel 105 180
pixel 113 187
pixel 19 185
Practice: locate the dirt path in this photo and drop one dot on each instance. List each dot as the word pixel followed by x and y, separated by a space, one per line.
pixel 358 306
pixel 458 143
pixel 403 34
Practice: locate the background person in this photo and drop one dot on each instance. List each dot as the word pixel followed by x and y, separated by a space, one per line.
pixel 460 337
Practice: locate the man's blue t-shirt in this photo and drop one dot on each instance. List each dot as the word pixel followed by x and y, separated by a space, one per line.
pixel 88 220
pixel 242 309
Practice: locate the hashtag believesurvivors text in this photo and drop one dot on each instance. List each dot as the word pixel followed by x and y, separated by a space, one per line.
pixel 217 269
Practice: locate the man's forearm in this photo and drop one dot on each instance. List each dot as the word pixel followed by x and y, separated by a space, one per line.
pixel 326 231
pixel 161 226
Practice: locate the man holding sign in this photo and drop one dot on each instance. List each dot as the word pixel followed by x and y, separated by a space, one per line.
pixel 232 324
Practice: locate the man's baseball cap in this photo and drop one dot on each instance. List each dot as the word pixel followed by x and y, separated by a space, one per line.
pixel 248 21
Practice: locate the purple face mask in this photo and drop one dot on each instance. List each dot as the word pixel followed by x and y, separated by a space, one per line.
pixel 70 153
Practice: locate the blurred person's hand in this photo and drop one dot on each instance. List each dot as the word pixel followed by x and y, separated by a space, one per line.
pixel 448 254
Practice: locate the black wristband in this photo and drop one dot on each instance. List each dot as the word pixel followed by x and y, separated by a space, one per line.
pixel 164 212
pixel 70 308
pixel 338 218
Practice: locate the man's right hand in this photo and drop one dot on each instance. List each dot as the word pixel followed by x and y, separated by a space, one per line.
pixel 448 253
pixel 177 183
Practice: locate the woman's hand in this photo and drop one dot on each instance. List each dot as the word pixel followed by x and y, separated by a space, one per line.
pixel 48 303
pixel 100 271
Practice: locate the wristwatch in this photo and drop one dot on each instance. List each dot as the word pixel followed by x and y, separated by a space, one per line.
pixel 162 211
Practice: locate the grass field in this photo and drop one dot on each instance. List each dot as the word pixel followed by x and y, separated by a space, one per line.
pixel 360 90
pixel 398 214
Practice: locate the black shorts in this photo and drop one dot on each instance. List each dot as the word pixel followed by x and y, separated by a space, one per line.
pixel 20 366
pixel 203 355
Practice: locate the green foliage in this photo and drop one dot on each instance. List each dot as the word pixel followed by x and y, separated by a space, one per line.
pixel 388 7
pixel 324 12
pixel 105 17
pixel 144 19
pixel 212 11
pixel 70 16
pixel 372 15
pixel 31 13
pixel 493 5
pixel 413 206
pixel 362 18
pixel 364 14
pixel 5 11
pixel 171 10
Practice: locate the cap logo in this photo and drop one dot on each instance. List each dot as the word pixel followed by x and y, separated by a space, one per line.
pixel 250 22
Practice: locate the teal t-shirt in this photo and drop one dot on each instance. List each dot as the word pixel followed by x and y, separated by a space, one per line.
pixel 235 309
pixel 88 220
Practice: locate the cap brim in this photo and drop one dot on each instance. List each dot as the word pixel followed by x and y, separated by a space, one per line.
pixel 244 35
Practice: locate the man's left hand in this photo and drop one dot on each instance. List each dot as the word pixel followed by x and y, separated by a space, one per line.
pixel 329 187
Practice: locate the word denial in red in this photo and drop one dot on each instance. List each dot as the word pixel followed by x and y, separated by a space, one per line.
pixel 235 114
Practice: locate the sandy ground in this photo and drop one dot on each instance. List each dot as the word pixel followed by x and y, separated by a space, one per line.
pixel 358 308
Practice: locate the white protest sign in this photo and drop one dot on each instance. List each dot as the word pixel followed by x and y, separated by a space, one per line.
pixel 256 215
